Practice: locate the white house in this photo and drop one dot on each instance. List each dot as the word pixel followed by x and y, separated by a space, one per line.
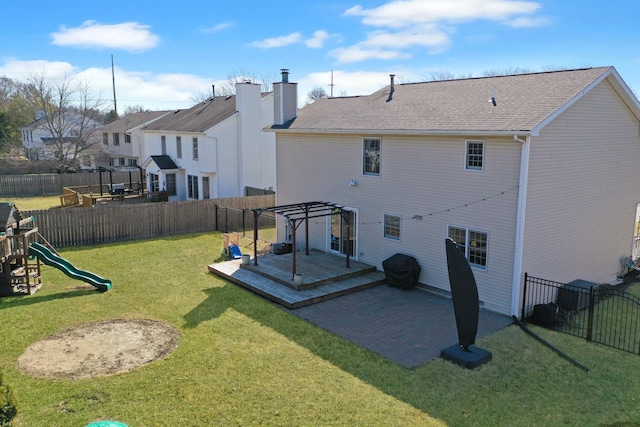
pixel 535 173
pixel 214 149
pixel 67 136
pixel 116 139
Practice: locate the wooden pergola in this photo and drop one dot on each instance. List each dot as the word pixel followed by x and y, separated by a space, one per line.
pixel 296 214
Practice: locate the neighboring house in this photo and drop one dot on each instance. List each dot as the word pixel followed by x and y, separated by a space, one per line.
pixel 216 148
pixel 117 142
pixel 40 143
pixel 535 173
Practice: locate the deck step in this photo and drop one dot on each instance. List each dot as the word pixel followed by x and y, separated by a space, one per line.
pixel 276 291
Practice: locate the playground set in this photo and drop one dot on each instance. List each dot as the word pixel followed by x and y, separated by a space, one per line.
pixel 22 251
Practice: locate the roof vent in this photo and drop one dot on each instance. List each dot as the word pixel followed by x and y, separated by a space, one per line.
pixel 392 88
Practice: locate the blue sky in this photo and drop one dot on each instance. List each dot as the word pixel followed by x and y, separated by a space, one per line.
pixel 168 54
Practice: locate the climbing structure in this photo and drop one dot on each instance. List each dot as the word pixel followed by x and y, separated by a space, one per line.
pixel 19 272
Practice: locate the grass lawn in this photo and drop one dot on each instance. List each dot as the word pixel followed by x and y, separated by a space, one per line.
pixel 33 203
pixel 244 361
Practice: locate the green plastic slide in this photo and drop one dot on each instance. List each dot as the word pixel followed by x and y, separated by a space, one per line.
pixel 45 255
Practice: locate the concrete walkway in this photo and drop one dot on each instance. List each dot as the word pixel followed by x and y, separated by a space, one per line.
pixel 409 327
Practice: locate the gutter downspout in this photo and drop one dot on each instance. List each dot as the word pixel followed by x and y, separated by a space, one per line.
pixel 217 153
pixel 516 284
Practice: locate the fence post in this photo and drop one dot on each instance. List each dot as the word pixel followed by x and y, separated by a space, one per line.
pixel 244 231
pixel 226 220
pixel 591 313
pixel 524 294
pixel 216 208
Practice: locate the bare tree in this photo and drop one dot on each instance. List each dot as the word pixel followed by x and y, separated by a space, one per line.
pixel 315 94
pixel 68 116
pixel 132 109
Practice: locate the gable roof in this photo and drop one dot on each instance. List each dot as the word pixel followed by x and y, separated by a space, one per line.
pixel 131 121
pixel 524 104
pixel 198 118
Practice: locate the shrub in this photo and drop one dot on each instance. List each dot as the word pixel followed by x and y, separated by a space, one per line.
pixel 8 404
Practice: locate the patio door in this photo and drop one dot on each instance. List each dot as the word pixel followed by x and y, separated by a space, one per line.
pixel 343 232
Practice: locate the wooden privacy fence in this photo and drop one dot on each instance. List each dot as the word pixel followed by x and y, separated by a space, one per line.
pixel 50 184
pixel 112 223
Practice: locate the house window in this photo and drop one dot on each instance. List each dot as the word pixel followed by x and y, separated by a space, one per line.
pixel 155 182
pixel 475 155
pixel 133 162
pixel 121 161
pixel 371 156
pixel 116 139
pixel 105 138
pixel 192 182
pixel 472 243
pixel 205 187
pixel 179 147
pixel 392 227
pixel 112 161
pixel 171 184
pixel 163 143
pixel 195 148
pixel 127 138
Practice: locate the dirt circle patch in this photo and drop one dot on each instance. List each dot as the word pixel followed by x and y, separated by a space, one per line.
pixel 99 349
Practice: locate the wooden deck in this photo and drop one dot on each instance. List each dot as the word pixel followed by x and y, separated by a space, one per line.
pixel 326 276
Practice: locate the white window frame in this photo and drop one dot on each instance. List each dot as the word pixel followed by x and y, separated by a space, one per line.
pixel 163 144
pixel 368 160
pixel 179 147
pixel 194 143
pixel 468 248
pixel 471 159
pixel 392 226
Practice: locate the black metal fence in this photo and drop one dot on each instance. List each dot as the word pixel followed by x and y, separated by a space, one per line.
pixel 608 315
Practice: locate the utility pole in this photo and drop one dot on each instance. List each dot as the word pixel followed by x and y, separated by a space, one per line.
pixel 331 85
pixel 113 78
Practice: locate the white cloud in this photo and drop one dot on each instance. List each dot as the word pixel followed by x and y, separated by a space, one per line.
pixel 528 22
pixel 23 70
pixel 400 13
pixel 152 91
pixel 418 35
pixel 359 53
pixel 218 27
pixel 348 83
pixel 318 39
pixel 130 36
pixel 279 41
pixel 410 23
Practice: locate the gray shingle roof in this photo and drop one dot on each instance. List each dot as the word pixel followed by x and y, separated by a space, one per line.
pixel 198 118
pixel 130 121
pixel 523 102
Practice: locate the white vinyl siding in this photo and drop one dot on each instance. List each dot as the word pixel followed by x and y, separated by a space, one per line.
pixel 580 212
pixel 418 181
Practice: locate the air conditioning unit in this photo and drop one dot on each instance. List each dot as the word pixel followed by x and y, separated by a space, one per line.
pixel 575 295
pixel 278 248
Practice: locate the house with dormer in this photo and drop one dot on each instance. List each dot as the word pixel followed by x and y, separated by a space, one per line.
pixel 534 173
pixel 215 149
